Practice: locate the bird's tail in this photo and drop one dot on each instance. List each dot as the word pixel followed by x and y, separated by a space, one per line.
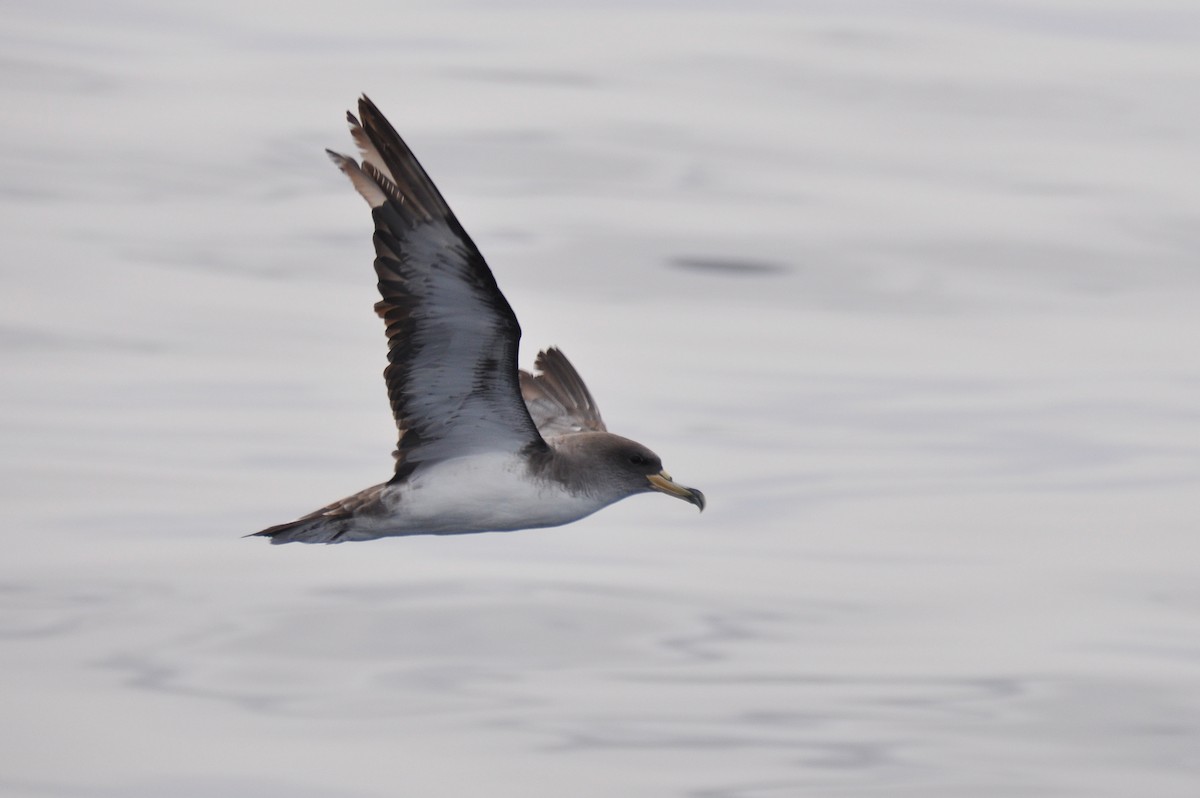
pixel 331 524
pixel 310 529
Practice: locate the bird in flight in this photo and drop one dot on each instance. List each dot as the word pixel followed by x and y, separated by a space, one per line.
pixel 482 446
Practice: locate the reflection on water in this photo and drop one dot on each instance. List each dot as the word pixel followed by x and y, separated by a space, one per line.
pixel 910 295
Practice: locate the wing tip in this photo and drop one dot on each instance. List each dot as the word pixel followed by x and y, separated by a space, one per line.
pixel 368 188
pixel 557 381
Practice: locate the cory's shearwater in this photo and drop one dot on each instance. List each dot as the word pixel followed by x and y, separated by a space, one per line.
pixel 482 446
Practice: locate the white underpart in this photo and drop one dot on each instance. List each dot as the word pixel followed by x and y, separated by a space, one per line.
pixel 476 493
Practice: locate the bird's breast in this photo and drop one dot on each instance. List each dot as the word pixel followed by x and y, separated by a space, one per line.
pixel 479 493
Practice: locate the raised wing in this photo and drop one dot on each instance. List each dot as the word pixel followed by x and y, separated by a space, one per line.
pixel 558 400
pixel 452 337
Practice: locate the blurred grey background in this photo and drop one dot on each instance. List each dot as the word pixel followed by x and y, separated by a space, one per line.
pixel 910 290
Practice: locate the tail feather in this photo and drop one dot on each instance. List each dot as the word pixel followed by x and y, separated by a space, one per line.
pixel 330 524
pixel 310 529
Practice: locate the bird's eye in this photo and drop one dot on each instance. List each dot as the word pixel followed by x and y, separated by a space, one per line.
pixel 637 459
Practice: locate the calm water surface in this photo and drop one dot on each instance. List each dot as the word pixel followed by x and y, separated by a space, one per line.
pixel 910 294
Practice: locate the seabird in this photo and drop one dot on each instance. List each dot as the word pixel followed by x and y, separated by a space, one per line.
pixel 483 446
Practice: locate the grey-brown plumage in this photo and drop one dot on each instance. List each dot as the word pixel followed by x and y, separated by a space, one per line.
pixel 556 397
pixel 481 446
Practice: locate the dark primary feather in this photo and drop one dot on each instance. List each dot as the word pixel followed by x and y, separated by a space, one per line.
pixel 558 399
pixel 452 336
